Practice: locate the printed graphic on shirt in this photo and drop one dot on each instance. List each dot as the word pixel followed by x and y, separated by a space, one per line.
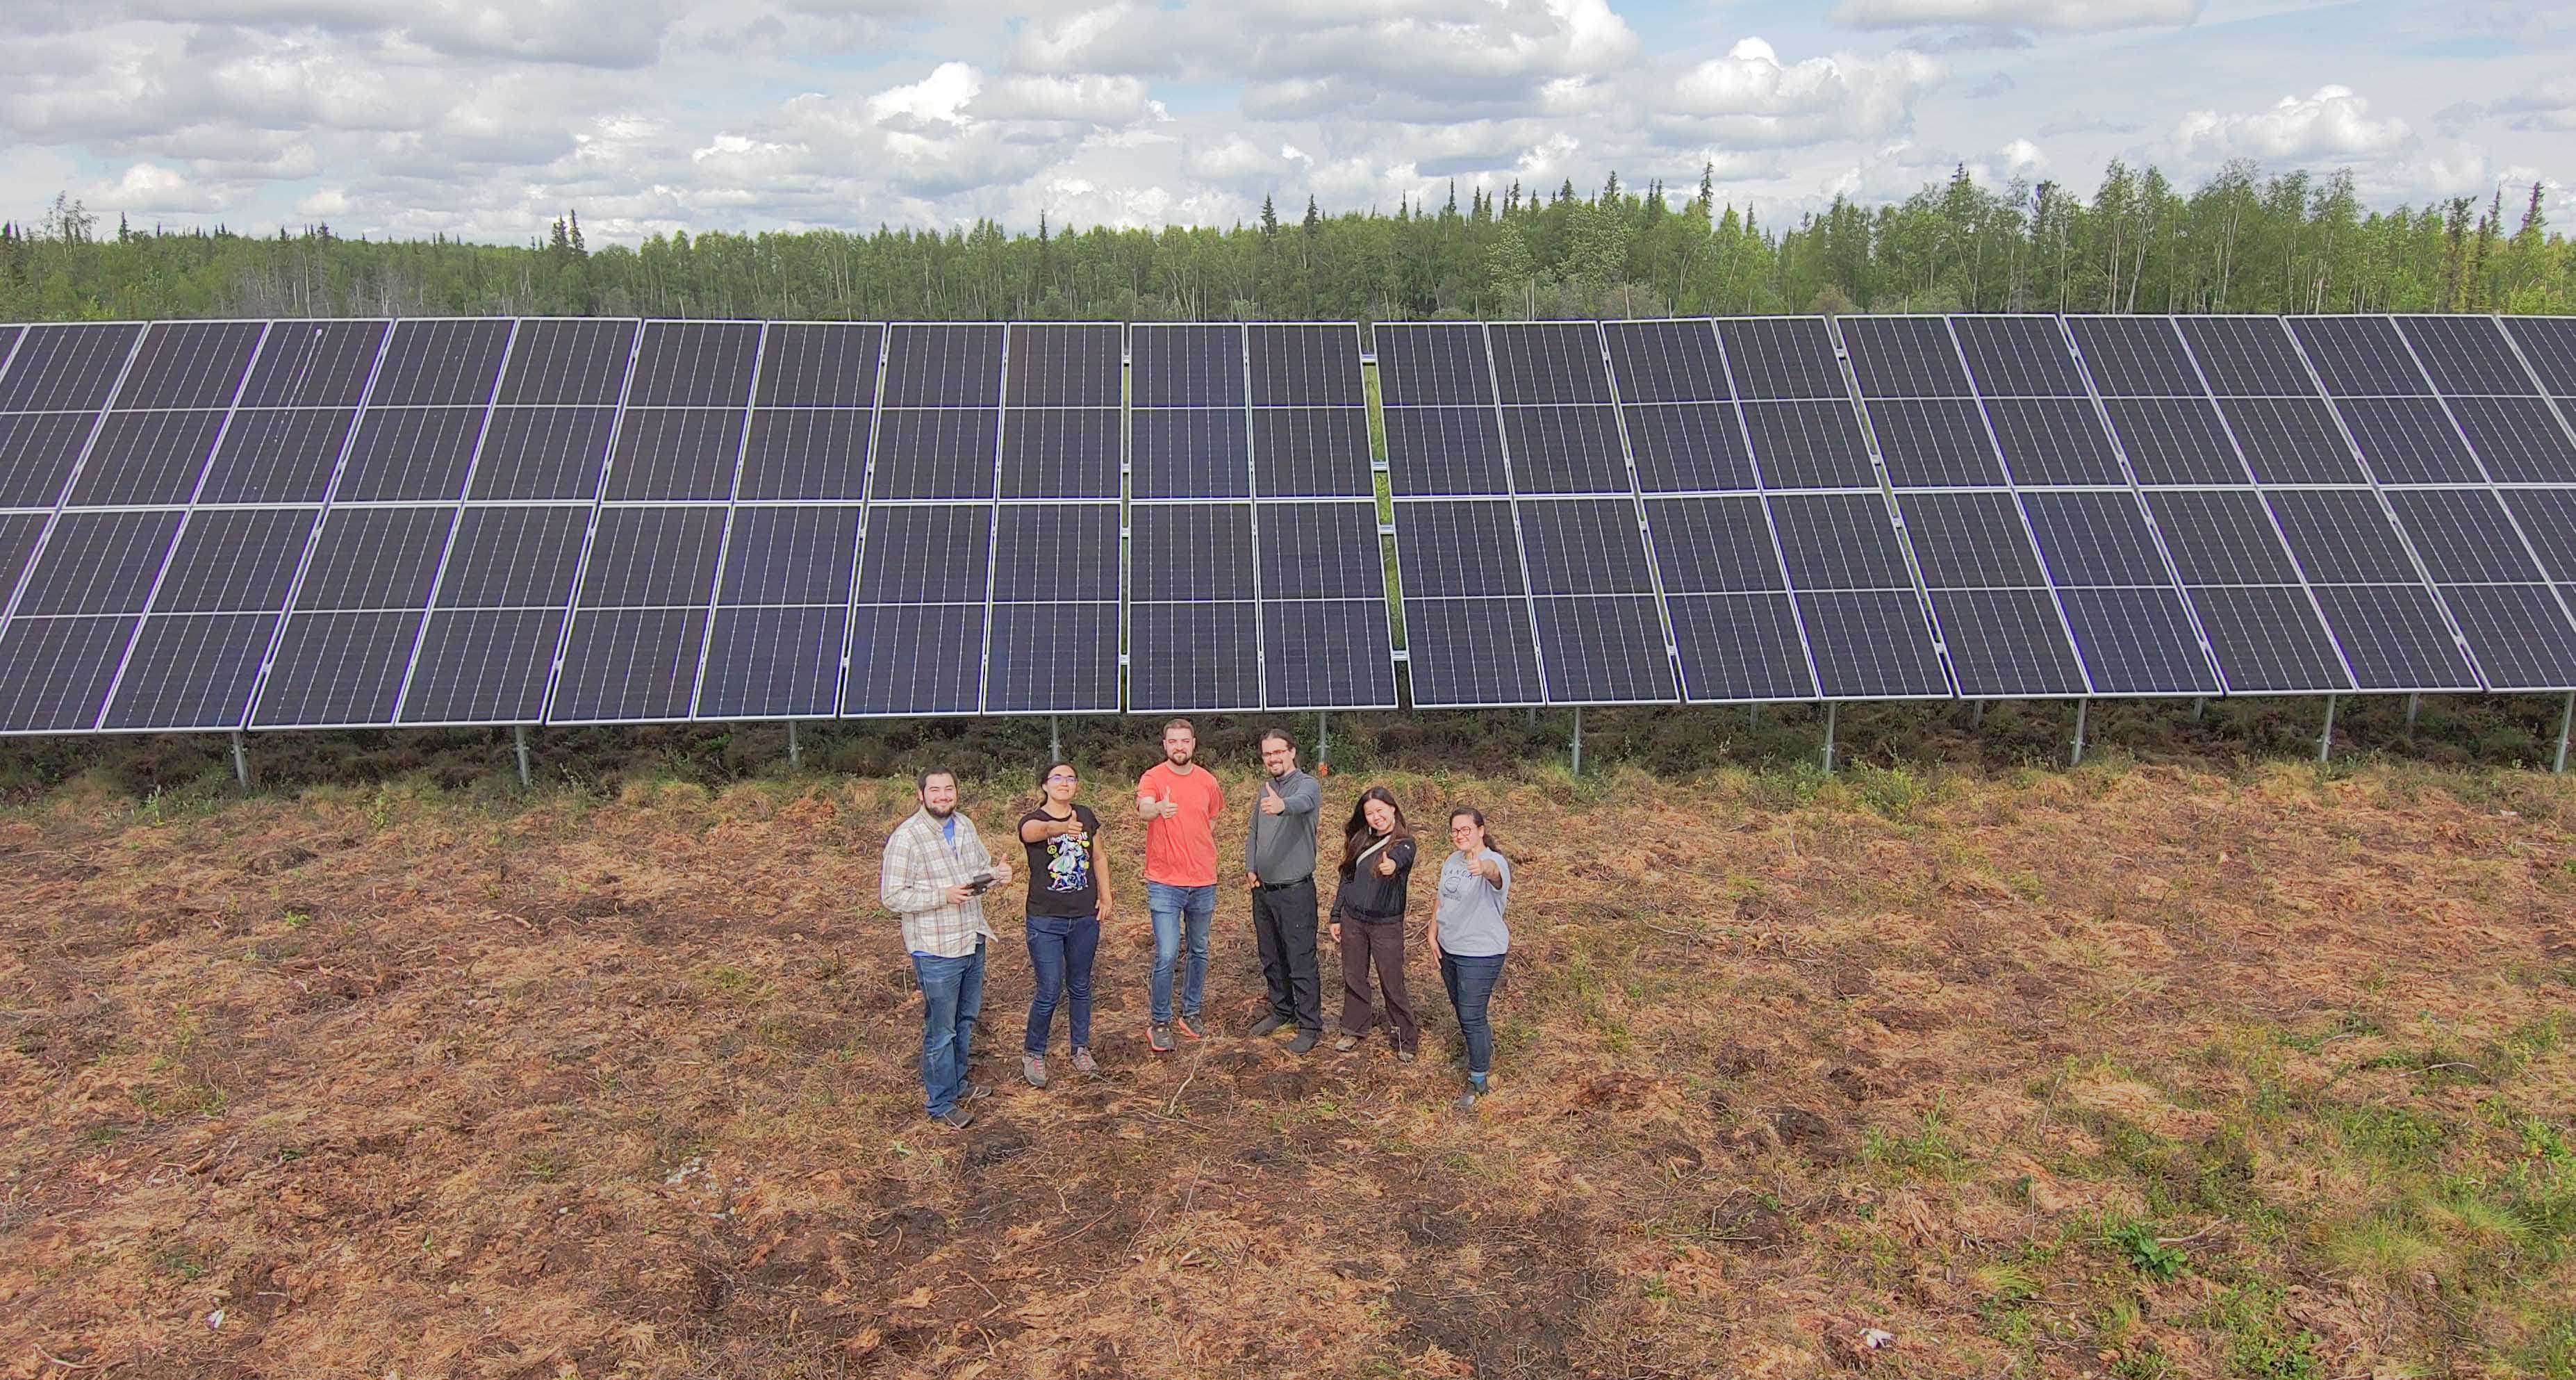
pixel 1069 863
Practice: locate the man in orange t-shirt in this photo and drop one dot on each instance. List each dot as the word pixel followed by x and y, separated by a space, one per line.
pixel 1179 803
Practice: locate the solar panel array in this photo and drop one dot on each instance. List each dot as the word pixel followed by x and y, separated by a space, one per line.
pixel 272 524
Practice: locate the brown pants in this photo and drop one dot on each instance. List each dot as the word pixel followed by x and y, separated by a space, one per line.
pixel 1382 944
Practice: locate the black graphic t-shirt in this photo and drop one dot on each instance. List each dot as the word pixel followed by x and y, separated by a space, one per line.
pixel 1060 869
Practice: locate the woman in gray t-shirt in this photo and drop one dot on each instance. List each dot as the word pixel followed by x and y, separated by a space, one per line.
pixel 1468 933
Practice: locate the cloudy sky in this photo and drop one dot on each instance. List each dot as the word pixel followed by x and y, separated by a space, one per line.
pixel 486 118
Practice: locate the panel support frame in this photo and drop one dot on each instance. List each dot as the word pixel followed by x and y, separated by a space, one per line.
pixel 2325 740
pixel 241 760
pixel 519 740
pixel 2083 706
pixel 1830 707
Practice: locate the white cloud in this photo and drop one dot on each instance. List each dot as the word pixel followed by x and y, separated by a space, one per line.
pixel 2022 156
pixel 1750 97
pixel 2077 15
pixel 2333 122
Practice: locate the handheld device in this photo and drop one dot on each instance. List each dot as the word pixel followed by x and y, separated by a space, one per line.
pixel 980 882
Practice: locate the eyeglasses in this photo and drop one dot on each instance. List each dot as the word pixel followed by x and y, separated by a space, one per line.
pixel 1060 776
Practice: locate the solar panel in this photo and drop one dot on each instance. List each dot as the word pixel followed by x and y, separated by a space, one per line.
pixel 1736 626
pixel 1326 637
pixel 919 607
pixel 636 641
pixel 105 558
pixel 1471 631
pixel 1464 512
pixel 437 585
pixel 1592 576
pixel 2289 435
pixel 2001 625
pixel 778 632
pixel 2103 559
pixel 2264 628
pixel 2485 422
pixel 1867 626
pixel 197 653
pixel 1193 604
pixel 1052 629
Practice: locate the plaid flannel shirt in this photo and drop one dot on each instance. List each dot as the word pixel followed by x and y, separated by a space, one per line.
pixel 913 883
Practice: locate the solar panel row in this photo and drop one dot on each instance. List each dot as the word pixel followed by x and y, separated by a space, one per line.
pixel 326 523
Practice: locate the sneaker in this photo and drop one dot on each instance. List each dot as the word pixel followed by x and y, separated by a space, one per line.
pixel 1190 1025
pixel 1264 1026
pixel 1346 1044
pixel 977 1092
pixel 1083 1063
pixel 1160 1037
pixel 1466 1101
pixel 1033 1068
pixel 1306 1040
pixel 956 1119
pixel 1404 1056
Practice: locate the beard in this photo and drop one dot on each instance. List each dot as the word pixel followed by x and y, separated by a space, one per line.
pixel 1179 757
pixel 936 812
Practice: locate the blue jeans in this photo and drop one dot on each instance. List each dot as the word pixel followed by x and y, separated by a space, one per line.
pixel 952 996
pixel 1170 905
pixel 1060 950
pixel 1471 989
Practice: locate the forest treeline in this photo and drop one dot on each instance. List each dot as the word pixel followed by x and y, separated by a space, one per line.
pixel 2242 242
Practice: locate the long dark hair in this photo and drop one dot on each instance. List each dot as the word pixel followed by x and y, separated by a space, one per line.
pixel 1359 835
pixel 1477 815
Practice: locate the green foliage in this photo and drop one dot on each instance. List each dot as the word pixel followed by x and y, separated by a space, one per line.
pixel 2240 243
pixel 2137 1244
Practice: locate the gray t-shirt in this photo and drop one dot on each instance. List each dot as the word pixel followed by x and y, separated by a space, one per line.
pixel 1470 915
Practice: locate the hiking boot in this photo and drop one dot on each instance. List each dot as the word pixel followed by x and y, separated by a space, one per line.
pixel 1190 1025
pixel 976 1092
pixel 1083 1063
pixel 1264 1026
pixel 956 1119
pixel 1346 1044
pixel 1033 1068
pixel 1305 1041
pixel 1160 1037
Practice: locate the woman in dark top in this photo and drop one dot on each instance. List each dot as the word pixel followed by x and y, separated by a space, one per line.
pixel 1068 900
pixel 1368 920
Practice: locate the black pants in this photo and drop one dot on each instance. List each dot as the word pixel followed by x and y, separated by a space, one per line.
pixel 1283 925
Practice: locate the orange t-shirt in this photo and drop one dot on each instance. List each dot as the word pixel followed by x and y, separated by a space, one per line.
pixel 1181 851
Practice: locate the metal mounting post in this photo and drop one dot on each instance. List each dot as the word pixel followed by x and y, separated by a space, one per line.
pixel 795 755
pixel 2414 702
pixel 2076 759
pixel 2325 740
pixel 1055 740
pixel 1753 722
pixel 2199 706
pixel 1830 707
pixel 241 761
pixel 519 739
pixel 1578 740
pixel 1976 714
pixel 1323 738
pixel 2566 719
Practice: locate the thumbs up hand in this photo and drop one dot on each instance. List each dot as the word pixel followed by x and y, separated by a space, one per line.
pixel 1271 804
pixel 1385 866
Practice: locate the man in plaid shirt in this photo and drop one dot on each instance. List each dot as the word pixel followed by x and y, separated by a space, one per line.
pixel 931 865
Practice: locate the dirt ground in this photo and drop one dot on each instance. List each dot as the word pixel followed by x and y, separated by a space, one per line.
pixel 2126 1071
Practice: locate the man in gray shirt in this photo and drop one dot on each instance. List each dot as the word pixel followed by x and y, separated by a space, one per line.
pixel 1279 863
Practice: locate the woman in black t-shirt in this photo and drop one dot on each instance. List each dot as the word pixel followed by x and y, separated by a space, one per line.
pixel 1368 920
pixel 1068 900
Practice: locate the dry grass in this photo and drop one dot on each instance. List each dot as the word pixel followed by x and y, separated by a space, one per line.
pixel 2128 1071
